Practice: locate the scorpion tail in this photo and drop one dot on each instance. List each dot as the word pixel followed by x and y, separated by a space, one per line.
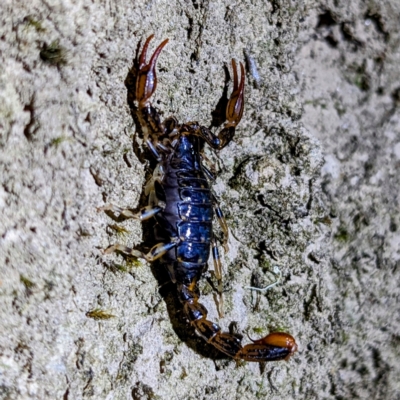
pixel 273 347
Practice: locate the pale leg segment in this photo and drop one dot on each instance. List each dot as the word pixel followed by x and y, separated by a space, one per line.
pixel 156 252
pixel 144 214
pixel 218 275
pixel 222 224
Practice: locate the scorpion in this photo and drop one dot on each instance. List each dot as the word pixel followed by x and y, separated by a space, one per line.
pixel 181 201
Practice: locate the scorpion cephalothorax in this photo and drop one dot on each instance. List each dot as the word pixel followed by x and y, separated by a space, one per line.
pixel 181 201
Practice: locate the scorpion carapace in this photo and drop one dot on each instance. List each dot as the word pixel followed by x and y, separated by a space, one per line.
pixel 182 203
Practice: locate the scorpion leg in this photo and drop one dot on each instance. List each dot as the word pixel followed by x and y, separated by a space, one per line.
pixel 273 347
pixel 215 253
pixel 222 223
pixel 208 173
pixel 210 166
pixel 144 214
pixel 154 150
pixel 156 252
pixel 218 275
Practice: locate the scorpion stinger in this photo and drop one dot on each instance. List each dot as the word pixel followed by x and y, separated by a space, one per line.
pixel 181 201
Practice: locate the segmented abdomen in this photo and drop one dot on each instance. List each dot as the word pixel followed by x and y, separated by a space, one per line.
pixel 188 212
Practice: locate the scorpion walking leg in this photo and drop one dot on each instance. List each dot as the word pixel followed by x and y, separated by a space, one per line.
pixel 222 223
pixel 144 214
pixel 218 275
pixel 273 347
pixel 207 170
pixel 147 212
pixel 154 150
pixel 216 258
pixel 156 252
pixel 208 173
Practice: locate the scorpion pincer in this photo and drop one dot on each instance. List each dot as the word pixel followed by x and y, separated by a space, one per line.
pixel 182 203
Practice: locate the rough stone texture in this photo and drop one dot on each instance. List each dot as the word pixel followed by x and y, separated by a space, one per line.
pixel 349 74
pixel 324 96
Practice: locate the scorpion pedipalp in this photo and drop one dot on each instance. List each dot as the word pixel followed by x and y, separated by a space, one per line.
pixel 146 81
pixel 234 112
pixel 234 109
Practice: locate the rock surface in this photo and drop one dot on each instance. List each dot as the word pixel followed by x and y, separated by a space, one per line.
pixel 308 186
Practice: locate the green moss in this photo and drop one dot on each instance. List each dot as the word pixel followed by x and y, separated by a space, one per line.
pixel 362 82
pixel 113 267
pixel 26 282
pixel 265 264
pixel 31 22
pixel 357 75
pixel 58 140
pixel 340 109
pixel 261 392
pixel 119 230
pixel 53 54
pixel 258 330
pixel 283 329
pixel 184 374
pixel 131 262
pixel 344 338
pixel 342 235
pixel 317 103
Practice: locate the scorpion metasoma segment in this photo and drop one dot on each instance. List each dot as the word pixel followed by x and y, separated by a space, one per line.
pixel 181 201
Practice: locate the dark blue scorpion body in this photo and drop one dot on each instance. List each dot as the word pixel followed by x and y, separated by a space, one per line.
pixel 188 211
pixel 181 201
